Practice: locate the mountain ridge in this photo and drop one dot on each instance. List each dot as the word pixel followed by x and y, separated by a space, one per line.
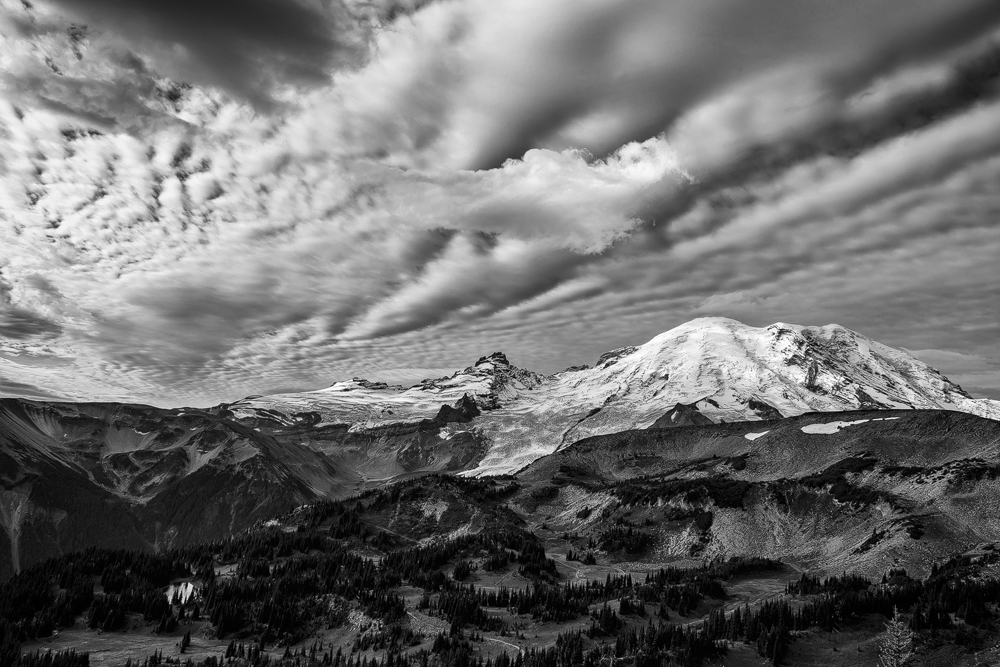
pixel 724 369
pixel 73 474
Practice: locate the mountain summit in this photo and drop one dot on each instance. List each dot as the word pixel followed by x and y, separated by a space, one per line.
pixel 723 369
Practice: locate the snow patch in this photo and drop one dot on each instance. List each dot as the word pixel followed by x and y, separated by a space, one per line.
pixel 830 428
pixel 184 591
pixel 753 436
pixel 834 427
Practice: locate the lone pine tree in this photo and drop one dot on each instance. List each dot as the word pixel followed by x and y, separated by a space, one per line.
pixel 897 645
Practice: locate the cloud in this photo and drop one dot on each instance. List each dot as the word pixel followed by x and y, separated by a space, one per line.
pixel 957 361
pixel 472 279
pixel 246 47
pixel 19 323
pixel 834 189
pixel 598 74
pixel 176 244
pixel 739 302
pixel 976 373
pixel 14 389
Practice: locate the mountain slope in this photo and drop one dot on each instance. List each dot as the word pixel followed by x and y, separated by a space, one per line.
pixel 723 369
pixel 860 491
pixel 75 474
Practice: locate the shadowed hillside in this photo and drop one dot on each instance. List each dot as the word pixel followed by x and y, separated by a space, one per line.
pixel 862 490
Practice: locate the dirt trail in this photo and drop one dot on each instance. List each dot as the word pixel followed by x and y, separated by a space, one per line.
pixel 500 641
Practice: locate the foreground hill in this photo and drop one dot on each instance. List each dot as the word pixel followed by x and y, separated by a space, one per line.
pixel 861 491
pixel 443 571
pixel 719 368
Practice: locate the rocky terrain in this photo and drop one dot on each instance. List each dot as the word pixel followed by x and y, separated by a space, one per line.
pixel 862 491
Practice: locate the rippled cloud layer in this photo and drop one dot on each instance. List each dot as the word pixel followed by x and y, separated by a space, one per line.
pixel 200 201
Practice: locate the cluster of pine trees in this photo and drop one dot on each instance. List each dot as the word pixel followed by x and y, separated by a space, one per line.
pixel 273 585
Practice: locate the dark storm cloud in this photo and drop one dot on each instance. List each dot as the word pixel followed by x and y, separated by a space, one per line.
pixel 244 46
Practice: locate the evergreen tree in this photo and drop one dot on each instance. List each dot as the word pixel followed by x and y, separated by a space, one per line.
pixel 897 645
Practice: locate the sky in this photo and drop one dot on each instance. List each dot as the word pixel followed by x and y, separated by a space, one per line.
pixel 206 199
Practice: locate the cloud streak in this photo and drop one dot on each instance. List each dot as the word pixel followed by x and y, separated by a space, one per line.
pixel 598 74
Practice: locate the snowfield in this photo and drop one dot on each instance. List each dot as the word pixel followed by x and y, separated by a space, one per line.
pixel 727 370
pixel 834 427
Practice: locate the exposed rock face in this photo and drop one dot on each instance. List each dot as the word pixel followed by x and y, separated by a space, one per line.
pixel 463 412
pixel 609 358
pixel 495 358
pixel 682 415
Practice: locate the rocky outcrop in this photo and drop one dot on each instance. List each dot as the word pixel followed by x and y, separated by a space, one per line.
pixel 682 415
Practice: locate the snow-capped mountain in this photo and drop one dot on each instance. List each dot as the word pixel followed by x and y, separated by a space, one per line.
pixel 724 369
pixel 83 474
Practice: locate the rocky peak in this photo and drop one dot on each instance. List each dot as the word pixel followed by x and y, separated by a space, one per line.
pixel 498 358
pixel 463 411
pixel 682 415
pixel 614 355
pixel 368 384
